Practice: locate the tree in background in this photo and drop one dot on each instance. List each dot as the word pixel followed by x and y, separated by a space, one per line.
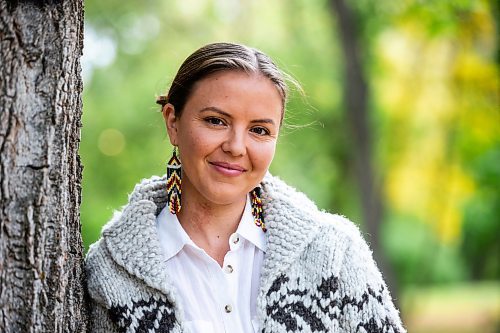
pixel 41 262
pixel 356 100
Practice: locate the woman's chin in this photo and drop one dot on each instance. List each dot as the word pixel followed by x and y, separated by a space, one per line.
pixel 226 197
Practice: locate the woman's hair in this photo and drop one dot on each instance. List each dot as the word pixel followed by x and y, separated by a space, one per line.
pixel 218 57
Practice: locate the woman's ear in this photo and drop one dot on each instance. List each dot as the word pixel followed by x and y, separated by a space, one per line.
pixel 171 122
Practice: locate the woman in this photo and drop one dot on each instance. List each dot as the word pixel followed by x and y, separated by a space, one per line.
pixel 223 246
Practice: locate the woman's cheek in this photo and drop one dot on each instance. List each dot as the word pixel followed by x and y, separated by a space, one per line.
pixel 263 155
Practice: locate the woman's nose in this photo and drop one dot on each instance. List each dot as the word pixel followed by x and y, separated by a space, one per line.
pixel 235 143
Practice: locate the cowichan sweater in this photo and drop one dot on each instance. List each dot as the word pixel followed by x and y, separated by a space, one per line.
pixel 318 273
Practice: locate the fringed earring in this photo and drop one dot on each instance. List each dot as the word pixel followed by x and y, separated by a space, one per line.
pixel 174 183
pixel 257 211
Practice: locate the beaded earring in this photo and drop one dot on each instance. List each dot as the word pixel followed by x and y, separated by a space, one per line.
pixel 257 211
pixel 174 183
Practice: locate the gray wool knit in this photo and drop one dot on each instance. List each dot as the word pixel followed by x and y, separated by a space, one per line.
pixel 318 273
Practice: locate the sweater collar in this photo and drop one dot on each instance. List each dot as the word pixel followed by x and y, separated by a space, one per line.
pixel 291 221
pixel 131 236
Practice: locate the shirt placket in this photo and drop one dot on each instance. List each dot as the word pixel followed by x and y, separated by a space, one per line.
pixel 225 287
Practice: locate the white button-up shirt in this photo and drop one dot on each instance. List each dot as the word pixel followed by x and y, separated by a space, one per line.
pixel 214 298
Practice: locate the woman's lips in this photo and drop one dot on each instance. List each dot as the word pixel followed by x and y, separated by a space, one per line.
pixel 228 169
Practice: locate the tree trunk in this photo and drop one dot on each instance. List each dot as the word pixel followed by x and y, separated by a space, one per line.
pixel 356 96
pixel 41 254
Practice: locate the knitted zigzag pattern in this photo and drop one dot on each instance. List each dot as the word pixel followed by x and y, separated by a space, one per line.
pixel 150 315
pixel 295 309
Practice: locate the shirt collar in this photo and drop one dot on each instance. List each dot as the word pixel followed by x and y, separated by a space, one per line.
pixel 173 236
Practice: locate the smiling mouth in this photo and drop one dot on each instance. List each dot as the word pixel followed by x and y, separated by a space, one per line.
pixel 228 168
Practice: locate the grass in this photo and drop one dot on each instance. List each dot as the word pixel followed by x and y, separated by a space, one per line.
pixel 458 308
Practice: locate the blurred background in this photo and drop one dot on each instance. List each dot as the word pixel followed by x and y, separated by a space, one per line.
pixel 406 143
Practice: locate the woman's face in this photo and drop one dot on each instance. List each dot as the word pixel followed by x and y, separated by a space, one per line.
pixel 226 135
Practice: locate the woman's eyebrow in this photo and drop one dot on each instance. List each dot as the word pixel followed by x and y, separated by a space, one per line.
pixel 215 109
pixel 224 113
pixel 265 120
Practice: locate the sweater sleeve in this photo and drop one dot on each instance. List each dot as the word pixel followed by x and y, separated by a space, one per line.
pixel 100 321
pixel 95 267
pixel 365 301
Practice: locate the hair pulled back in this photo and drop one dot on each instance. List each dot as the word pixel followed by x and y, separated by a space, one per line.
pixel 218 57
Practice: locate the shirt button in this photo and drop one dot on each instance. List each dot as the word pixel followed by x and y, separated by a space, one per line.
pixel 228 308
pixel 234 238
pixel 229 269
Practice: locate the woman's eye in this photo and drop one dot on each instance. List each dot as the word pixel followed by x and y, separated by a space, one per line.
pixel 260 131
pixel 214 121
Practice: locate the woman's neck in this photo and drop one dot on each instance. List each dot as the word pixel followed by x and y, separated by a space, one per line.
pixel 210 225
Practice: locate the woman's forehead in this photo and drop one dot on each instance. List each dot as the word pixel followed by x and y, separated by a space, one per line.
pixel 240 83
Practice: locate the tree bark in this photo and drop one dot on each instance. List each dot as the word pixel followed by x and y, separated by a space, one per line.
pixel 41 253
pixel 356 97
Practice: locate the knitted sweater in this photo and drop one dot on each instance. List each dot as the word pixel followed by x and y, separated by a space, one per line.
pixel 318 273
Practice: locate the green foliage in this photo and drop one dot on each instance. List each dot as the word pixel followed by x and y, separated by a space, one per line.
pixel 480 244
pixel 418 256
